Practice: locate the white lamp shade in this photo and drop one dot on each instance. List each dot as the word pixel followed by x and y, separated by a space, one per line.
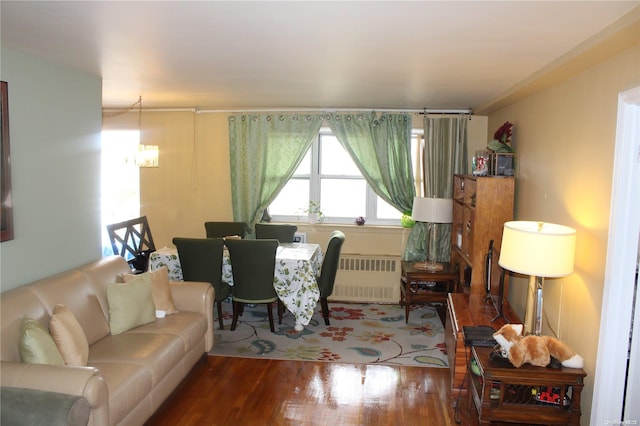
pixel 538 248
pixel 432 210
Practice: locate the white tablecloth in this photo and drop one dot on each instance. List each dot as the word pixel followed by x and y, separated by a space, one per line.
pixel 297 265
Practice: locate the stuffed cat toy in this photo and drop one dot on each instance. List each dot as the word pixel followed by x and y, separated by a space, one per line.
pixel 534 350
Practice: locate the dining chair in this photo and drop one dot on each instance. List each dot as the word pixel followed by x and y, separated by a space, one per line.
pixel 253 265
pixel 225 229
pixel 327 277
pixel 284 233
pixel 132 240
pixel 201 260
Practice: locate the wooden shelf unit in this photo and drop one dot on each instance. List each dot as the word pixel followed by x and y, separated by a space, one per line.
pixel 504 393
pixel 481 206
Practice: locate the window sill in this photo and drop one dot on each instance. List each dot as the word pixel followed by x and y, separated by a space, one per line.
pixel 353 228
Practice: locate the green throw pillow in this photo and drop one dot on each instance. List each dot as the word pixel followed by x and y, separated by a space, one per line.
pixel 37 345
pixel 130 304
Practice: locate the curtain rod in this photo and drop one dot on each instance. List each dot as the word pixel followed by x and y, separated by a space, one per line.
pixel 288 109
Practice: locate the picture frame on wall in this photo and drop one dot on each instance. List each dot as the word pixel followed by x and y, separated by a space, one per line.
pixel 6 213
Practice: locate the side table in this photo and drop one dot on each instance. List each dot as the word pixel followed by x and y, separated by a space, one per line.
pixel 528 394
pixel 425 286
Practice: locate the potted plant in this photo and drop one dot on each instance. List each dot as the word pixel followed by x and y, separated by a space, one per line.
pixel 502 139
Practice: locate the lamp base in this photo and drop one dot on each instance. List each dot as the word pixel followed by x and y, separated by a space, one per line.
pixel 428 266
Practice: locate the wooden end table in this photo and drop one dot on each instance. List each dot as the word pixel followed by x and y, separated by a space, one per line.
pixel 528 394
pixel 418 285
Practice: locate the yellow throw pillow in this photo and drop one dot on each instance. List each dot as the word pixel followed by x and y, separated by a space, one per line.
pixel 37 345
pixel 160 289
pixel 130 304
pixel 69 336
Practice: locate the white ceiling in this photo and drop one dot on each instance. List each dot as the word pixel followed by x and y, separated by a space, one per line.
pixel 304 54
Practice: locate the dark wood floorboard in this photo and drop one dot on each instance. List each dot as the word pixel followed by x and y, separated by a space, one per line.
pixel 245 392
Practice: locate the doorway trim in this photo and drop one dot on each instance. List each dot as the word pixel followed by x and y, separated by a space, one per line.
pixel 622 256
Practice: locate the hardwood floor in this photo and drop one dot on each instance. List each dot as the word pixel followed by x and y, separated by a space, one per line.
pixel 245 392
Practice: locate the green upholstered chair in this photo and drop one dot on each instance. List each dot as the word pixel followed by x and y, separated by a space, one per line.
pixel 253 265
pixel 327 277
pixel 201 260
pixel 225 229
pixel 284 233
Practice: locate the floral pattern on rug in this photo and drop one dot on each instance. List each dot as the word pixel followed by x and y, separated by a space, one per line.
pixel 359 334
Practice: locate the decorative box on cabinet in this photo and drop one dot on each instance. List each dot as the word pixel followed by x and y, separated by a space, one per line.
pixel 528 394
pixel 481 206
pixel 502 164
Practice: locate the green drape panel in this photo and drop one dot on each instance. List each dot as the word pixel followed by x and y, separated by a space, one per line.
pixel 265 150
pixel 444 155
pixel 380 145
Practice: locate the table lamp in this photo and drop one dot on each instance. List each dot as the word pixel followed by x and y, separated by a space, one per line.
pixel 432 211
pixel 540 250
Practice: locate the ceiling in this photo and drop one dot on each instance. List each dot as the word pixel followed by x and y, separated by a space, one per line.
pixel 305 54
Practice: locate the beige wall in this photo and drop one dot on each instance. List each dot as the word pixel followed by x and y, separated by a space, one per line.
pixel 564 138
pixel 192 184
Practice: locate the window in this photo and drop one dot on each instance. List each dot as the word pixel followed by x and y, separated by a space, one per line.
pixel 120 180
pixel 328 178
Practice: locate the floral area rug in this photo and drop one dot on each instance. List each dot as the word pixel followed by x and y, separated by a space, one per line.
pixel 358 334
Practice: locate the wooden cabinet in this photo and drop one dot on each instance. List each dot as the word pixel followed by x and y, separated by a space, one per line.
pixel 528 395
pixel 481 206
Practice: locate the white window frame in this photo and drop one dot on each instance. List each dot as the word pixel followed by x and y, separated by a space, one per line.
pixel 314 192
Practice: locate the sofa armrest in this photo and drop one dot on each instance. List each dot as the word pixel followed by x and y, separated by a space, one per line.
pixel 22 406
pixel 199 297
pixel 81 381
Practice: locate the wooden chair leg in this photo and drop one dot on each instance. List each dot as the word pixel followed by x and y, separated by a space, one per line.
pixel 271 326
pixel 237 307
pixel 325 310
pixel 219 304
pixel 280 311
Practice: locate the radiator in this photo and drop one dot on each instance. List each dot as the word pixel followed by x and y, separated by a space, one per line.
pixel 367 278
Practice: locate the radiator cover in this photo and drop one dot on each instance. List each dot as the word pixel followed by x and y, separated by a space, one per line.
pixel 367 278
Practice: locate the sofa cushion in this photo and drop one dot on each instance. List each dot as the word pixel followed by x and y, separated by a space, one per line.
pixel 14 306
pixel 189 326
pixel 160 290
pixel 72 289
pixel 128 384
pixel 69 336
pixel 130 304
pixel 158 353
pixel 99 274
pixel 37 345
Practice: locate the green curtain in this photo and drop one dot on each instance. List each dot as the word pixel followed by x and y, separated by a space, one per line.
pixel 380 145
pixel 265 150
pixel 445 154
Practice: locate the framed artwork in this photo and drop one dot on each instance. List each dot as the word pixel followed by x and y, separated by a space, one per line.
pixel 6 215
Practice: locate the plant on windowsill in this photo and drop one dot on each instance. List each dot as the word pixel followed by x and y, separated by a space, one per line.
pixel 313 211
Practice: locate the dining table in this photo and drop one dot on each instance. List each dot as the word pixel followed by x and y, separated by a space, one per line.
pixel 295 276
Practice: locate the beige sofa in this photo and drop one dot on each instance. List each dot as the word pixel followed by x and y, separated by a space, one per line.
pixel 128 375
